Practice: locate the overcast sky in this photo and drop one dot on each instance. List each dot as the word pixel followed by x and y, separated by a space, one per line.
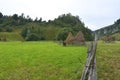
pixel 94 13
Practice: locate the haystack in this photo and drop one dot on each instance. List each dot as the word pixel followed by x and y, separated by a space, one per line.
pixel 77 40
pixel 69 38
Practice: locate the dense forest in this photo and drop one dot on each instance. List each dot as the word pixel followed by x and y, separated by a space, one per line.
pixel 111 30
pixel 37 29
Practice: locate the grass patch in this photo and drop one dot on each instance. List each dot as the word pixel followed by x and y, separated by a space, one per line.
pixel 40 61
pixel 108 61
pixel 12 36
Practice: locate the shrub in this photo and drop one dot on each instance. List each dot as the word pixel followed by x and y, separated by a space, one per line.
pixel 62 34
pixel 9 29
pixel 32 37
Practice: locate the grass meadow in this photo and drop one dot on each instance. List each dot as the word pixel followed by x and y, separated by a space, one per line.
pixel 108 61
pixel 41 61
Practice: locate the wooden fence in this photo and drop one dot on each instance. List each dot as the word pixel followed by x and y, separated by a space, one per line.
pixel 89 72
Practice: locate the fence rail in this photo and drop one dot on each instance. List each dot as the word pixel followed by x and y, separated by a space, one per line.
pixel 89 72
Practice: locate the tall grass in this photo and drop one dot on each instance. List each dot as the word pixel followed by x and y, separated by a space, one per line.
pixel 108 61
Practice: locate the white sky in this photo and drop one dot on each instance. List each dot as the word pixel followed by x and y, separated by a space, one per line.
pixel 94 13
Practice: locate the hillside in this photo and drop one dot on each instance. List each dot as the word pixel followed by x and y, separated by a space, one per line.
pixel 35 30
pixel 109 30
pixel 11 36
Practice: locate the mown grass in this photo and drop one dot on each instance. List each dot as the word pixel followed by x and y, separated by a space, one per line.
pixel 41 61
pixel 108 61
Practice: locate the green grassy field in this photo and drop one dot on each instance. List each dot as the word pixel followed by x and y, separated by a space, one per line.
pixel 108 61
pixel 41 61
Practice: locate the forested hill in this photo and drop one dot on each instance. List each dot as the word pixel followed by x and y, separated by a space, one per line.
pixel 109 30
pixel 33 30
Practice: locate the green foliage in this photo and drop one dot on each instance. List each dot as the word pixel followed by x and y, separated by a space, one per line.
pixel 1 29
pixel 67 20
pixel 15 17
pixel 40 61
pixel 9 29
pixel 116 36
pixel 24 32
pixel 1 15
pixel 50 32
pixel 45 30
pixel 32 37
pixel 75 24
pixel 88 34
pixel 32 31
pixel 63 33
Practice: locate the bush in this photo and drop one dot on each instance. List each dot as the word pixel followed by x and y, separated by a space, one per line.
pixel 32 37
pixel 9 29
pixel 63 33
pixel 24 32
pixel 1 29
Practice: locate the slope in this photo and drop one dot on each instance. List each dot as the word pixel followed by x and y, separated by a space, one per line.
pixel 11 36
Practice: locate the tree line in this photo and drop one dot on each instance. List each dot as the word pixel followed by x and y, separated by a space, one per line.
pixel 38 29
